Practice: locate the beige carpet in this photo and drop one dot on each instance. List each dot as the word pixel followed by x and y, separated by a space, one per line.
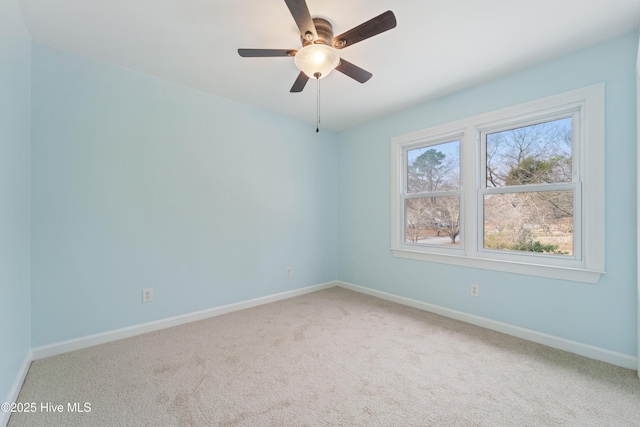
pixel 334 357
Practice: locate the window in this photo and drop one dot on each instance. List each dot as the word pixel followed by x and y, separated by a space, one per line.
pixel 518 190
pixel 529 188
pixel 432 198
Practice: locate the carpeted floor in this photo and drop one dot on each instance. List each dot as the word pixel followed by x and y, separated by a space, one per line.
pixel 333 357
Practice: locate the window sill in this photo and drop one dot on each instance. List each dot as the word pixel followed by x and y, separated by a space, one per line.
pixel 554 272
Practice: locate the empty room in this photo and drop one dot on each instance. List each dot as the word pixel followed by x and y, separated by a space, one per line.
pixel 319 212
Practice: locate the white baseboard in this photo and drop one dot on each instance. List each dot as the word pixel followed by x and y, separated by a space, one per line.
pixel 17 385
pixel 117 334
pixel 592 352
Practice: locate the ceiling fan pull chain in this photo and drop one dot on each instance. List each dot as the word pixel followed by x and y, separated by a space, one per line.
pixel 317 76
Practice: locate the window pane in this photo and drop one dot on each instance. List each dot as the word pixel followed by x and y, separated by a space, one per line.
pixel 433 220
pixel 536 154
pixel 529 222
pixel 434 168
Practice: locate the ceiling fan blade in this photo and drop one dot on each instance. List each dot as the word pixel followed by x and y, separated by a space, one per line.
pixel 261 53
pixel 300 82
pixel 353 71
pixel 301 15
pixel 372 27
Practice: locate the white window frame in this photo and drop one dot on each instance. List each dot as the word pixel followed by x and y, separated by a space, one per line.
pixel 587 264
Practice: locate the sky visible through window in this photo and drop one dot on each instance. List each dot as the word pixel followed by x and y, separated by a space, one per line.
pixel 449 149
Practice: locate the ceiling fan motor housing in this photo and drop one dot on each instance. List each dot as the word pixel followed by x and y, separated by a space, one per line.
pixel 324 31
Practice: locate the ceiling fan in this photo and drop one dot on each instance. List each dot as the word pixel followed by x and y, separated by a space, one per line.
pixel 319 53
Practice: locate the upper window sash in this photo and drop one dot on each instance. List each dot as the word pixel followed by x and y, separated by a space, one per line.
pixel 573 111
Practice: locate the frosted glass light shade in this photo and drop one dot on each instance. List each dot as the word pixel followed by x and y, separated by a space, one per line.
pixel 316 58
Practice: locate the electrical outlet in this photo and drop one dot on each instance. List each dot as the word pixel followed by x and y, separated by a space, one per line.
pixel 475 290
pixel 147 295
pixel 288 272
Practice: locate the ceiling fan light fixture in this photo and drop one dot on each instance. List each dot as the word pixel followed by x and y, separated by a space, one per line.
pixel 316 59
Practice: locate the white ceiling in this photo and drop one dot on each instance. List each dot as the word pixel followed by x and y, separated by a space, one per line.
pixel 438 47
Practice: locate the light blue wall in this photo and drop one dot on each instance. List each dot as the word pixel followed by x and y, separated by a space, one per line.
pixel 140 183
pixel 603 315
pixel 15 101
